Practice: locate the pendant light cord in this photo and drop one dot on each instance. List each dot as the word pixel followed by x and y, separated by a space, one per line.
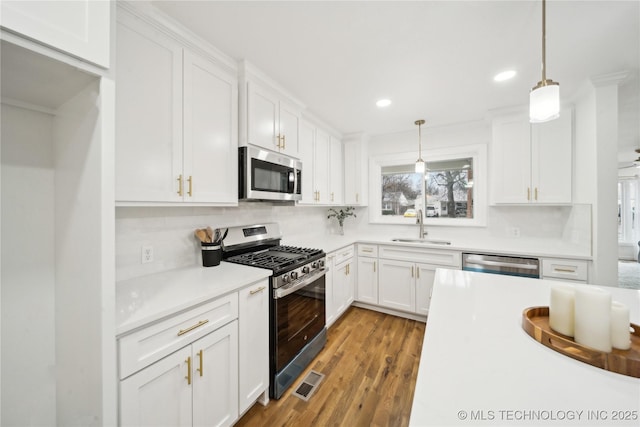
pixel 544 42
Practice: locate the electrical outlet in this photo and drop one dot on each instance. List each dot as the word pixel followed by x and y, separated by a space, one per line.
pixel 514 232
pixel 147 254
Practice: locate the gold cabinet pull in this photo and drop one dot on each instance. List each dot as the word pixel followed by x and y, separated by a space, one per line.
pixel 332 196
pixel 374 266
pixel 528 193
pixel 369 250
pixel 188 377
pixel 284 142
pixel 411 271
pixel 357 198
pixel 565 270
pixel 190 180
pixel 418 272
pixel 201 356
pixel 180 185
pixel 191 328
pixel 536 193
pixel 255 291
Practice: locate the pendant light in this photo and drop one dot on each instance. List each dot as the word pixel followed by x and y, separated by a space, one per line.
pixel 544 98
pixel 419 163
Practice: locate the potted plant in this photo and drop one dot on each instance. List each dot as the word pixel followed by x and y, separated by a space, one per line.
pixel 341 215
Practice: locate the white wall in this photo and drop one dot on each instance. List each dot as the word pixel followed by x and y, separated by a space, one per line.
pixel 28 268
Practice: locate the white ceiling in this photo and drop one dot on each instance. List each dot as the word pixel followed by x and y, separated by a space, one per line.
pixel 434 59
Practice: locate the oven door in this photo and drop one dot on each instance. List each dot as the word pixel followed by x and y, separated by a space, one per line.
pixel 266 175
pixel 298 316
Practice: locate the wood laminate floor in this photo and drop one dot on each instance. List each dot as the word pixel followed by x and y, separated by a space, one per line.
pixel 370 365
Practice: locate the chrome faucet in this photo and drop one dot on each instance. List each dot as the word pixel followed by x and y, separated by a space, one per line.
pixel 420 222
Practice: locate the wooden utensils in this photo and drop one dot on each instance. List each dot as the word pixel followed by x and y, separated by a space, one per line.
pixel 209 235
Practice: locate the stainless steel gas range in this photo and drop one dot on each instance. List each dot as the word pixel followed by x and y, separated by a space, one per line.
pixel 297 330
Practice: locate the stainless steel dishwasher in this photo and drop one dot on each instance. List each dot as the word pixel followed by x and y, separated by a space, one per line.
pixel 501 264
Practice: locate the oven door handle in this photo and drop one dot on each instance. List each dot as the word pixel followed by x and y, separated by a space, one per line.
pixel 289 289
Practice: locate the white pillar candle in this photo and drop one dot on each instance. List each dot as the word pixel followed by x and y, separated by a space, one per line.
pixel 593 317
pixel 561 312
pixel 620 336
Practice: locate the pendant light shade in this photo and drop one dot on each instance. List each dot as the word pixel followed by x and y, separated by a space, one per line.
pixel 544 103
pixel 420 166
pixel 544 99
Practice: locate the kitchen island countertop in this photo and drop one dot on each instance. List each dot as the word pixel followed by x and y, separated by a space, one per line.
pixel 479 367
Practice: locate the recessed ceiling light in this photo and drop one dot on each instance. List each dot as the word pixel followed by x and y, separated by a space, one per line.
pixel 505 75
pixel 383 103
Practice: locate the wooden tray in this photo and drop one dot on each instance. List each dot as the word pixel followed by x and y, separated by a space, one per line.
pixel 535 321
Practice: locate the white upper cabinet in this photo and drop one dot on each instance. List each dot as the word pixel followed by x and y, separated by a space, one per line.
pixel 321 167
pixel 210 132
pixel 336 172
pixel 355 171
pixel 268 118
pixel 532 163
pixel 176 121
pixel 80 28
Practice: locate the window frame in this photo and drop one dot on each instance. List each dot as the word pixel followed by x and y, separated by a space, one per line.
pixel 478 152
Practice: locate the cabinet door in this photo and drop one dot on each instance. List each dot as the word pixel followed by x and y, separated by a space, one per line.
pixel 330 309
pixel 397 285
pixel 321 167
pixel 215 377
pixel 336 172
pixel 254 343
pixel 367 289
pixel 425 274
pixel 148 152
pixel 551 153
pixel 210 132
pixel 305 146
pixel 159 394
pixel 80 28
pixel 352 170
pixel 263 117
pixel 289 121
pixel 343 281
pixel 511 158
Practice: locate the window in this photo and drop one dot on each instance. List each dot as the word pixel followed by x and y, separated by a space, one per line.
pixel 628 221
pixel 447 194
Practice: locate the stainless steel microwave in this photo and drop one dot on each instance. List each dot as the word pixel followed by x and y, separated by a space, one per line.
pixel 267 175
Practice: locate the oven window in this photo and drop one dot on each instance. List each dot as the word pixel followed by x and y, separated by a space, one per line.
pixel 271 177
pixel 300 316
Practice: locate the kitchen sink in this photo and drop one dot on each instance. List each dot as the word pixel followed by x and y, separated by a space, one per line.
pixel 422 241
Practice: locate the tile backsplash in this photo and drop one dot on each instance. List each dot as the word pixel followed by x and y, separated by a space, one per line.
pixel 169 230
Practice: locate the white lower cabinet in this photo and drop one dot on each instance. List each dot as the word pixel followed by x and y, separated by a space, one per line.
pixel 397 288
pixel 569 270
pixel 196 385
pixel 367 288
pixel 402 277
pixel 339 283
pixel 202 367
pixel 254 344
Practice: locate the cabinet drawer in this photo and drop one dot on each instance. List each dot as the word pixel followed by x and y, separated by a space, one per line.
pixel 564 269
pixel 426 256
pixel 343 254
pixel 145 346
pixel 367 250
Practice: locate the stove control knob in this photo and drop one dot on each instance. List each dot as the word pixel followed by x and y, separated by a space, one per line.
pixel 294 275
pixel 305 269
pixel 321 263
pixel 314 265
pixel 285 278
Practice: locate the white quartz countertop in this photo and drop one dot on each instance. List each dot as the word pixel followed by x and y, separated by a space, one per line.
pixel 143 300
pixel 522 247
pixel 479 367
